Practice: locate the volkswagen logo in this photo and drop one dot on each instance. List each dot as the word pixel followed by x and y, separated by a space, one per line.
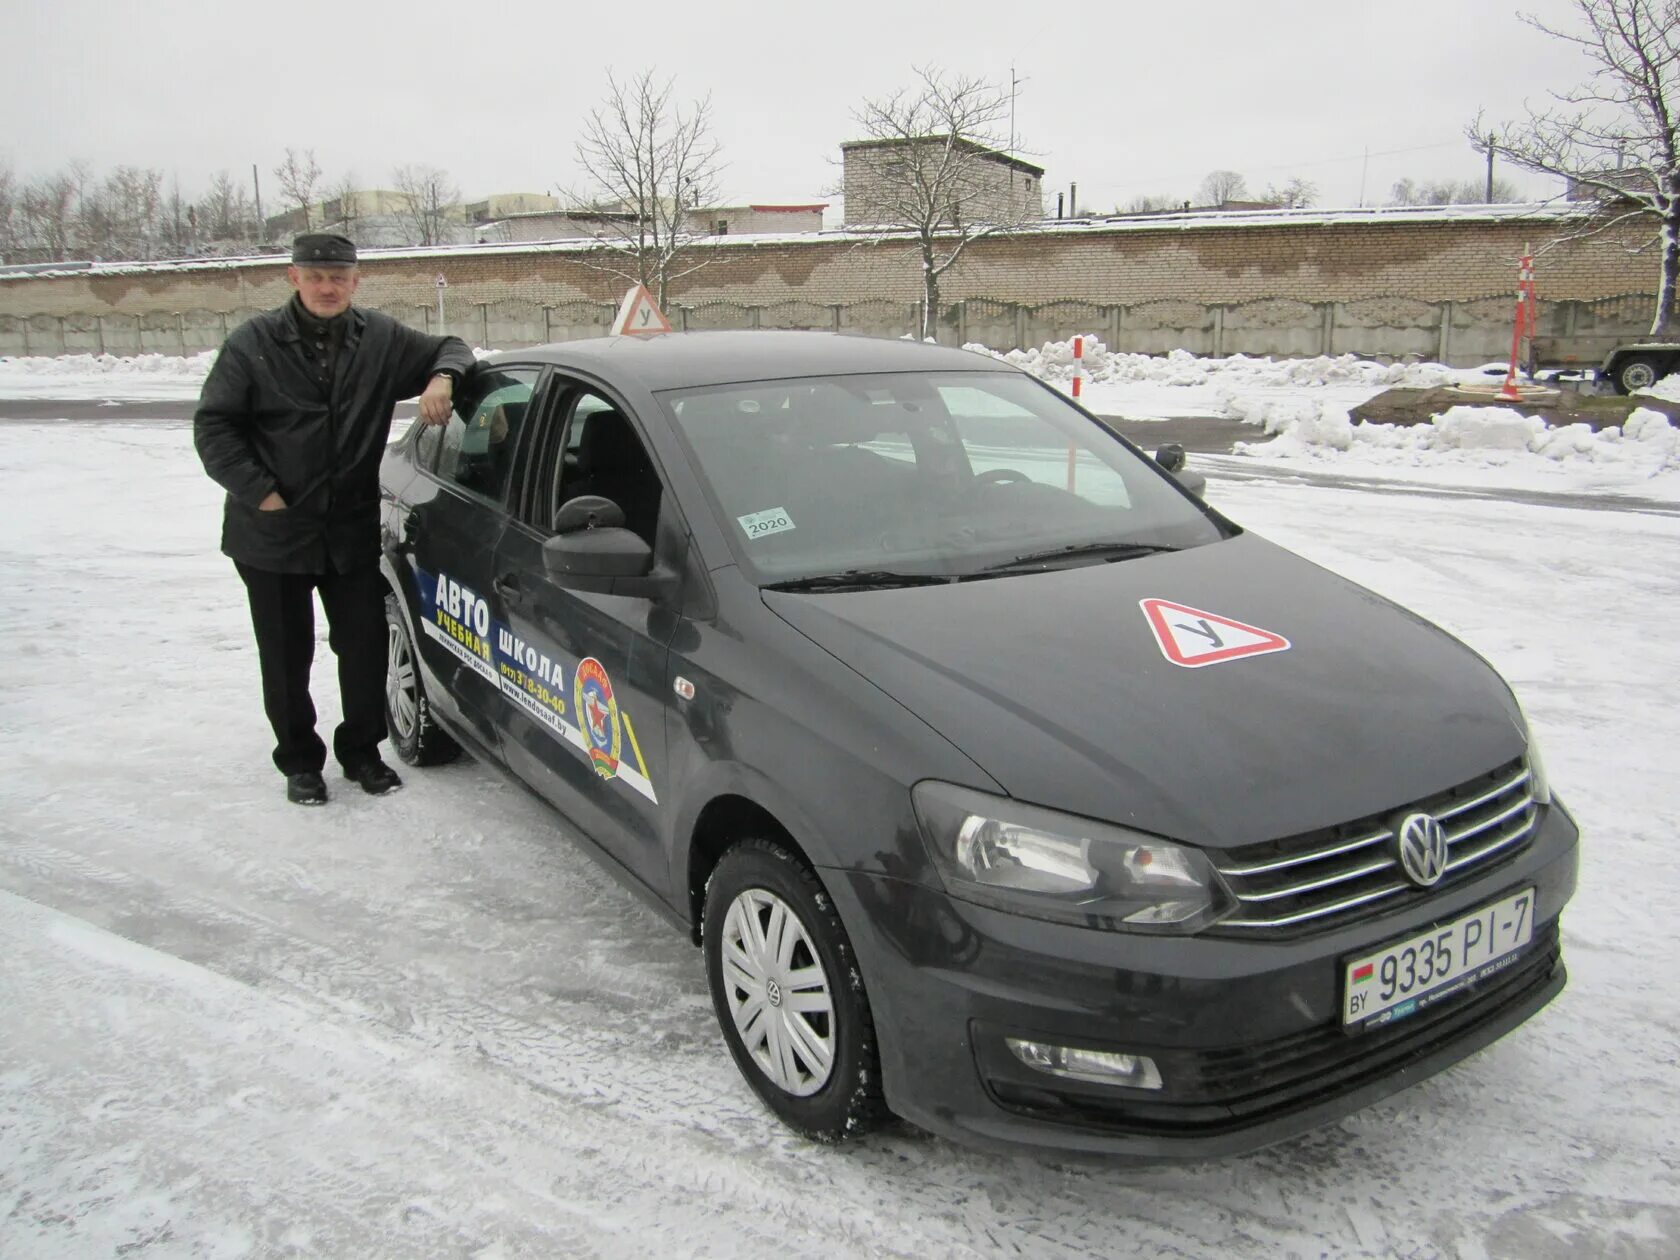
pixel 773 992
pixel 1422 845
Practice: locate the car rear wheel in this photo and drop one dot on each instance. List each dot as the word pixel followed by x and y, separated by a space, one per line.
pixel 1640 371
pixel 414 733
pixel 789 995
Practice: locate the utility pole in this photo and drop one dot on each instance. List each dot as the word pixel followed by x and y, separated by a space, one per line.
pixel 1490 143
pixel 1363 168
pixel 262 225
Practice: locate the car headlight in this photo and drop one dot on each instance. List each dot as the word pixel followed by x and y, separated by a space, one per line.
pixel 1050 865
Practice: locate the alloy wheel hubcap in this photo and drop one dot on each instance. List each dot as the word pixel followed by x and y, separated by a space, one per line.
pixel 402 699
pixel 778 992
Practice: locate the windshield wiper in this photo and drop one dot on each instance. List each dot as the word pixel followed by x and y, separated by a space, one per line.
pixel 860 579
pixel 1105 551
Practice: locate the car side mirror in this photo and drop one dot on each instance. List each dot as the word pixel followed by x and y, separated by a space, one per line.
pixel 592 551
pixel 587 511
pixel 1172 459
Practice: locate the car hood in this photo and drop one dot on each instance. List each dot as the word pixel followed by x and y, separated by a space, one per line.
pixel 1056 685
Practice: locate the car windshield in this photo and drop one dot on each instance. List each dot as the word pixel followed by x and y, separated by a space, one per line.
pixel 915 475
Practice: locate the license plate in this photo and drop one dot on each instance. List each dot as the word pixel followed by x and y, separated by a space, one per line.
pixel 1410 975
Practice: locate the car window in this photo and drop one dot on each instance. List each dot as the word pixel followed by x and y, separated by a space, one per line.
pixel 427 443
pixel 477 446
pixel 1002 436
pixel 601 453
pixel 949 473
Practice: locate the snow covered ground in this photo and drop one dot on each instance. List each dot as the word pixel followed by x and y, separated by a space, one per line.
pixel 425 1026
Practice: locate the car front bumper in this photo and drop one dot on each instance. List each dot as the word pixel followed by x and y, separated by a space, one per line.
pixel 1246 1034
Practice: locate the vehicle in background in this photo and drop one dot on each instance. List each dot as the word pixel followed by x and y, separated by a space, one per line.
pixel 1628 366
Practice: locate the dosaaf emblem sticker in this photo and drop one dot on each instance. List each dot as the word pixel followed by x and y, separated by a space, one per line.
pixel 597 711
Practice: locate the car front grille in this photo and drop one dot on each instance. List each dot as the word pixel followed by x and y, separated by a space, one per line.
pixel 1323 879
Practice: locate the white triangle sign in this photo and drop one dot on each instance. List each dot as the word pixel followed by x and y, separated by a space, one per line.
pixel 1193 638
pixel 639 315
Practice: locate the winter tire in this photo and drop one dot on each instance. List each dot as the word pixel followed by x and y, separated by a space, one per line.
pixel 414 733
pixel 789 995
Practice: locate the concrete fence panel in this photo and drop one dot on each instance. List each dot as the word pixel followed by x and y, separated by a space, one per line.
pixel 83 335
pixel 879 317
pixel 1058 321
pixel 1387 328
pixel 572 321
pixel 807 315
pixel 1272 327
pixel 712 315
pixel 203 330
pixel 1628 316
pixel 13 338
pixel 1160 327
pixel 992 324
pixel 1481 330
pixel 514 322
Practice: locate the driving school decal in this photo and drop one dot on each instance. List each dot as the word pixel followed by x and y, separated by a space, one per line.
pixel 585 715
pixel 1193 638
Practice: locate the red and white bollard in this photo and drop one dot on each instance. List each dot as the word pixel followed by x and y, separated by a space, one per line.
pixel 1078 380
pixel 1527 316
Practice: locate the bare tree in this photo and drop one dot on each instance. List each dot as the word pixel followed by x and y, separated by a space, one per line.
pixel 935 165
pixel 1222 186
pixel 1616 138
pixel 1297 193
pixel 1448 192
pixel 10 224
pixel 225 212
pixel 1150 205
pixel 648 167
pixel 48 208
pixel 428 195
pixel 343 208
pixel 298 175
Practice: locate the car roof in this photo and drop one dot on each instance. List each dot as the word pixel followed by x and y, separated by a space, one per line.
pixel 681 360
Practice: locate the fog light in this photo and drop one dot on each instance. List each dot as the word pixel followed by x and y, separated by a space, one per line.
pixel 1104 1067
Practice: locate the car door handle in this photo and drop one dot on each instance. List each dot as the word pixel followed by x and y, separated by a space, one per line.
pixel 508 587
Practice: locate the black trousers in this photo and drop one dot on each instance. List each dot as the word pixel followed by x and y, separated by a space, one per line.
pixel 283 615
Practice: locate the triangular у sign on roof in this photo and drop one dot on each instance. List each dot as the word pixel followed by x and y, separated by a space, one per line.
pixel 639 314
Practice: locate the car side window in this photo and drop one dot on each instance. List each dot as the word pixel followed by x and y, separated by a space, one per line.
pixel 478 442
pixel 602 454
pixel 427 444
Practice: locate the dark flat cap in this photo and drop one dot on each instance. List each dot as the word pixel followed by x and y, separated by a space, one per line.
pixel 323 249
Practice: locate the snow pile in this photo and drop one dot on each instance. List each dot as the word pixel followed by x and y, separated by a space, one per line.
pixel 1647 444
pixel 1667 389
pixel 83 376
pixel 1053 361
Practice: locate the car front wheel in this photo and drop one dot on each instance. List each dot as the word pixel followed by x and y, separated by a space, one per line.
pixel 414 733
pixel 788 993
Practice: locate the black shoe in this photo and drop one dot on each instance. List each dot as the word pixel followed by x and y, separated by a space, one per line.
pixel 306 788
pixel 375 777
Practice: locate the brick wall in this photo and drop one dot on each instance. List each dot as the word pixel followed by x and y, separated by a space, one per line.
pixel 1301 281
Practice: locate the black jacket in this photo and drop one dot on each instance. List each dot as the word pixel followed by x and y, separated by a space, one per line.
pixel 266 421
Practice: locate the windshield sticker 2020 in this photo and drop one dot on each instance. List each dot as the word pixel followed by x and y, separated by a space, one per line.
pixel 770 521
pixel 460 621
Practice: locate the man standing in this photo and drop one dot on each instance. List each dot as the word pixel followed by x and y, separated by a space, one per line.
pixel 292 423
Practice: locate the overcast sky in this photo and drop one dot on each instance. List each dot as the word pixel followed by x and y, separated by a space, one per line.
pixel 1123 98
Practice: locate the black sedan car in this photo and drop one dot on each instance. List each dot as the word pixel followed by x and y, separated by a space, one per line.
pixel 1006 785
